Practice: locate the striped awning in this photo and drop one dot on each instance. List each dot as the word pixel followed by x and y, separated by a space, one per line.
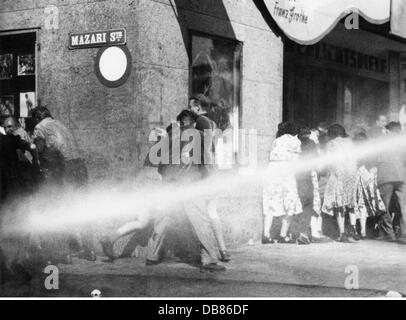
pixel 308 21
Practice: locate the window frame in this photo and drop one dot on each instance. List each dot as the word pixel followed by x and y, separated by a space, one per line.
pixel 36 31
pixel 191 34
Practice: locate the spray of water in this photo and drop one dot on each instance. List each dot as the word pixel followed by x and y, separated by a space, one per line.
pixel 56 210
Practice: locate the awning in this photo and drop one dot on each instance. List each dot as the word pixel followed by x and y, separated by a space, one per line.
pixel 308 21
pixel 398 18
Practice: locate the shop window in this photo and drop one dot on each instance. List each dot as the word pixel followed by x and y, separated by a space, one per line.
pixel 18 74
pixel 216 73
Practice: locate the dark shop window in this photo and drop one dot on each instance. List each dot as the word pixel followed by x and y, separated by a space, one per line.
pixel 17 74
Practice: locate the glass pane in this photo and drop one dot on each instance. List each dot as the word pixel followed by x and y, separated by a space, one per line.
pixel 216 73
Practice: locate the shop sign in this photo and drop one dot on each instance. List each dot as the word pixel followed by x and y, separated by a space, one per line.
pixel 308 21
pixel 343 56
pixel 97 39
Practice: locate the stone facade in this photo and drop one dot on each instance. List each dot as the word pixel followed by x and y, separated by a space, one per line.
pixel 112 125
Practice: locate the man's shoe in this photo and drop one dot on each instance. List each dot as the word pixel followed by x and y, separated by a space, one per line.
pixel 224 256
pixel 401 241
pixel 353 234
pixel 321 239
pixel 212 267
pixel 151 262
pixel 266 240
pixel 398 232
pixel 302 240
pixel 386 238
pixel 344 239
pixel 286 239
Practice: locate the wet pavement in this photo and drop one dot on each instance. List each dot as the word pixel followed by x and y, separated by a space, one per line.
pixel 274 270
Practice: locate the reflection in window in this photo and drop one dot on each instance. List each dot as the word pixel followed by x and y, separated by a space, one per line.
pixel 216 73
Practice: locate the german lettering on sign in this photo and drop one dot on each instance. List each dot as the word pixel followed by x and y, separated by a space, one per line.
pixel 308 21
pixel 97 39
pixel 343 56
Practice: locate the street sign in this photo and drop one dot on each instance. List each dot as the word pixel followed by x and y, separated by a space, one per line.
pixel 97 39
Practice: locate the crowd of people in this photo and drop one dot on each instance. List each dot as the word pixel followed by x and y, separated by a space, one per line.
pixel 46 157
pixel 181 170
pixel 354 198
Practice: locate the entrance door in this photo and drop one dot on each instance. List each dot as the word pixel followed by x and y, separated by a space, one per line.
pixel 310 95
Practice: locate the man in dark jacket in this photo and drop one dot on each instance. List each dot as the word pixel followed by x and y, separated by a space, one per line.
pixel 63 166
pixel 391 183
pixel 201 105
pixel 11 173
pixel 13 184
pixel 185 170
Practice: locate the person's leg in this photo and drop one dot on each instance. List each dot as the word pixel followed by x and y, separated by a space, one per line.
pixel 268 219
pixel 353 222
pixel 217 228
pixel 305 219
pixel 286 222
pixel 363 221
pixel 302 230
pixel 385 220
pixel 76 177
pixel 341 220
pixel 400 192
pixel 340 216
pixel 128 228
pixel 315 226
pixel 108 241
pixel 196 211
pixel 161 225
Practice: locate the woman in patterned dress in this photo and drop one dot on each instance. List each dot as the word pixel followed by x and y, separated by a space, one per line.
pixel 368 201
pixel 280 194
pixel 339 196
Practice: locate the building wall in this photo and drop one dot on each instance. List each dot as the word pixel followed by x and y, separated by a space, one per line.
pixel 112 125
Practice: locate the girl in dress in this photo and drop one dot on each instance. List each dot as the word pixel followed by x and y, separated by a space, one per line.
pixel 280 194
pixel 339 196
pixel 368 199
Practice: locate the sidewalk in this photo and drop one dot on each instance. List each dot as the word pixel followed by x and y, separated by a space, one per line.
pixel 275 270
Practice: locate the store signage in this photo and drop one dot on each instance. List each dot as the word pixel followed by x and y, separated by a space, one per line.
pixel 342 56
pixel 97 39
pixel 308 21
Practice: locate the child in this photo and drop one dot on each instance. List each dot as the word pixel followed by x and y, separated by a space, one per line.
pixel 339 196
pixel 368 202
pixel 280 194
